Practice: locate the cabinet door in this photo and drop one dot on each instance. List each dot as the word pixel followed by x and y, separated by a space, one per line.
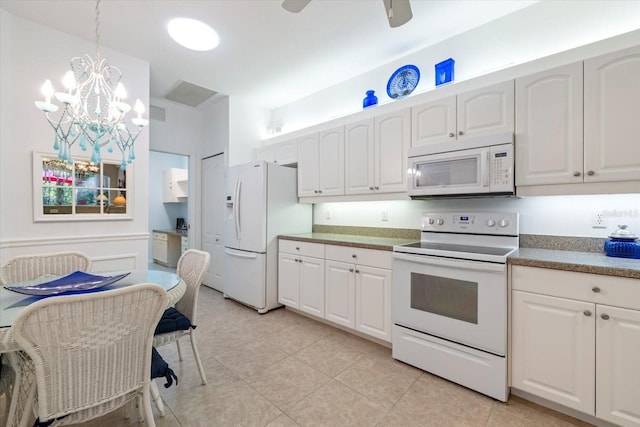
pixel 168 183
pixel 553 341
pixel 286 152
pixel 373 301
pixel 331 155
pixel 308 166
pixel 611 112
pixel 359 157
pixel 486 111
pixel 340 293
pixel 312 285
pixel 549 136
pixel 433 122
pixel 160 247
pixel 266 153
pixel 392 139
pixel 618 368
pixel 288 280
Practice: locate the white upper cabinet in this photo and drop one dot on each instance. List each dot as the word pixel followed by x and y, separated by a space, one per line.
pixel 175 185
pixel 549 139
pixel 479 112
pixel 283 153
pixel 376 154
pixel 611 113
pixel 392 140
pixel 359 157
pixel 434 122
pixel 321 164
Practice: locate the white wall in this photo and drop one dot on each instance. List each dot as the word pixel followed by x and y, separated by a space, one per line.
pixel 29 54
pixel 552 215
pixel 537 31
pixel 247 123
pixel 162 216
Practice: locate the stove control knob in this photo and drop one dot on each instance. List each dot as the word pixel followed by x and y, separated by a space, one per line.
pixel 503 223
pixel 440 221
pixel 491 222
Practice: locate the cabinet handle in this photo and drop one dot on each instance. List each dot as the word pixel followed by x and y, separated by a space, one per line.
pixel 576 173
pixel 354 256
pixel 357 271
pixel 451 134
pixel 595 289
pixel 315 191
pixel 604 316
pixel 460 132
pixel 319 191
pixel 591 173
pixel 376 188
pixel 351 270
pixel 587 313
pixel 297 248
pixel 370 188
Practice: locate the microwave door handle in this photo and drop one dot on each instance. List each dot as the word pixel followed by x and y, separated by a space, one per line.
pixel 487 169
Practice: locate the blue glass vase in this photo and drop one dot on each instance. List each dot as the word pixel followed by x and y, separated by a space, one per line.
pixel 370 99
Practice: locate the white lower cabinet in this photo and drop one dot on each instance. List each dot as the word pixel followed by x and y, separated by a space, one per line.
pixel 301 276
pixel 576 341
pixel 358 289
pixel 348 286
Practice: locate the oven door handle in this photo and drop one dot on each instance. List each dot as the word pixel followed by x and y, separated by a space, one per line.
pixel 449 262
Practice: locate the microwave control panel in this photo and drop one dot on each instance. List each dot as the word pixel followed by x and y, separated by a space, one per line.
pixel 501 165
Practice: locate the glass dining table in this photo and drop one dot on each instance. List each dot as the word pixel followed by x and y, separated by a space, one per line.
pixel 12 303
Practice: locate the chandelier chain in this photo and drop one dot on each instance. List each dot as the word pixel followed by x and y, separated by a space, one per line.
pixel 98 29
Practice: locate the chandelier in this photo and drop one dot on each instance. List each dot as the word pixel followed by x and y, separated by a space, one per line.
pixel 93 108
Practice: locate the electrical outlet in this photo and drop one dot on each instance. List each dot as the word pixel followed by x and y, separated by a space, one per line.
pixel 598 220
pixel 385 215
pixel 327 214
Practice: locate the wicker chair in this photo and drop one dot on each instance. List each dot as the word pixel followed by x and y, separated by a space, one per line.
pixel 29 267
pixel 192 266
pixel 7 377
pixel 91 352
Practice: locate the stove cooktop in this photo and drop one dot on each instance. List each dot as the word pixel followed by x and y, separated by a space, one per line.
pixel 462 249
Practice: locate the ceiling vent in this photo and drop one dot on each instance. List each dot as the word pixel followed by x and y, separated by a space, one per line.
pixel 157 113
pixel 189 94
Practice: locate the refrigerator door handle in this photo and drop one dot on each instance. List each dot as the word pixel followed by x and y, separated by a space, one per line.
pixel 240 254
pixel 236 209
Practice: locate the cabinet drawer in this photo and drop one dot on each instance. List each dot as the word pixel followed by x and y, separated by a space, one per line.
pixel 160 236
pixel 595 288
pixel 370 257
pixel 315 250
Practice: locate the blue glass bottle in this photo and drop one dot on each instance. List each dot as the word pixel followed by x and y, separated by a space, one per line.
pixel 370 99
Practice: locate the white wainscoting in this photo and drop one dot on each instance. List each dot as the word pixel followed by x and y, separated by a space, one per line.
pixel 122 252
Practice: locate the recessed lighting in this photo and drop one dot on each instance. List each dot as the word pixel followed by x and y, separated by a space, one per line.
pixel 193 34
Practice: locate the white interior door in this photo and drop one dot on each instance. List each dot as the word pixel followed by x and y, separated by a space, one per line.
pixel 213 207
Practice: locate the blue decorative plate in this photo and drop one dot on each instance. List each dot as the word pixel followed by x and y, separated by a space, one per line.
pixel 403 81
pixel 77 282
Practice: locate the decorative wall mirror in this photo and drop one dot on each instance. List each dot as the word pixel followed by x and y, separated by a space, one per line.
pixel 79 191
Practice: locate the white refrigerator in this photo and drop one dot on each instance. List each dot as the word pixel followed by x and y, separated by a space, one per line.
pixel 261 203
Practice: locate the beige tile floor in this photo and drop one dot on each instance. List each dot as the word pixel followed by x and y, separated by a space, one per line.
pixel 283 369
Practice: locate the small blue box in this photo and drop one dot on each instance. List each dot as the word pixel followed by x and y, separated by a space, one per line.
pixel 444 71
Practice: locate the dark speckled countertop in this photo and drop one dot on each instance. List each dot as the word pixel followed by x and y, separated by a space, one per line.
pixel 367 242
pixel 584 262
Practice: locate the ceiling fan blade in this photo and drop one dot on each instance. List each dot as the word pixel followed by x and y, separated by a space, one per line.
pixel 398 12
pixel 294 6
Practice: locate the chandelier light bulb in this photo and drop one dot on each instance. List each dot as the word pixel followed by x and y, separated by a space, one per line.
pixel 120 92
pixel 139 108
pixel 47 91
pixel 69 81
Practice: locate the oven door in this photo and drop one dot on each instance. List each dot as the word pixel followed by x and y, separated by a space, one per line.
pixel 457 300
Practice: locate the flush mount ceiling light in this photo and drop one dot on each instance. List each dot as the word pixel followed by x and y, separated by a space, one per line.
pixel 93 108
pixel 193 34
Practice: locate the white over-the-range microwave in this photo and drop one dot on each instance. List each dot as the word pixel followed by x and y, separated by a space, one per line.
pixel 482 166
